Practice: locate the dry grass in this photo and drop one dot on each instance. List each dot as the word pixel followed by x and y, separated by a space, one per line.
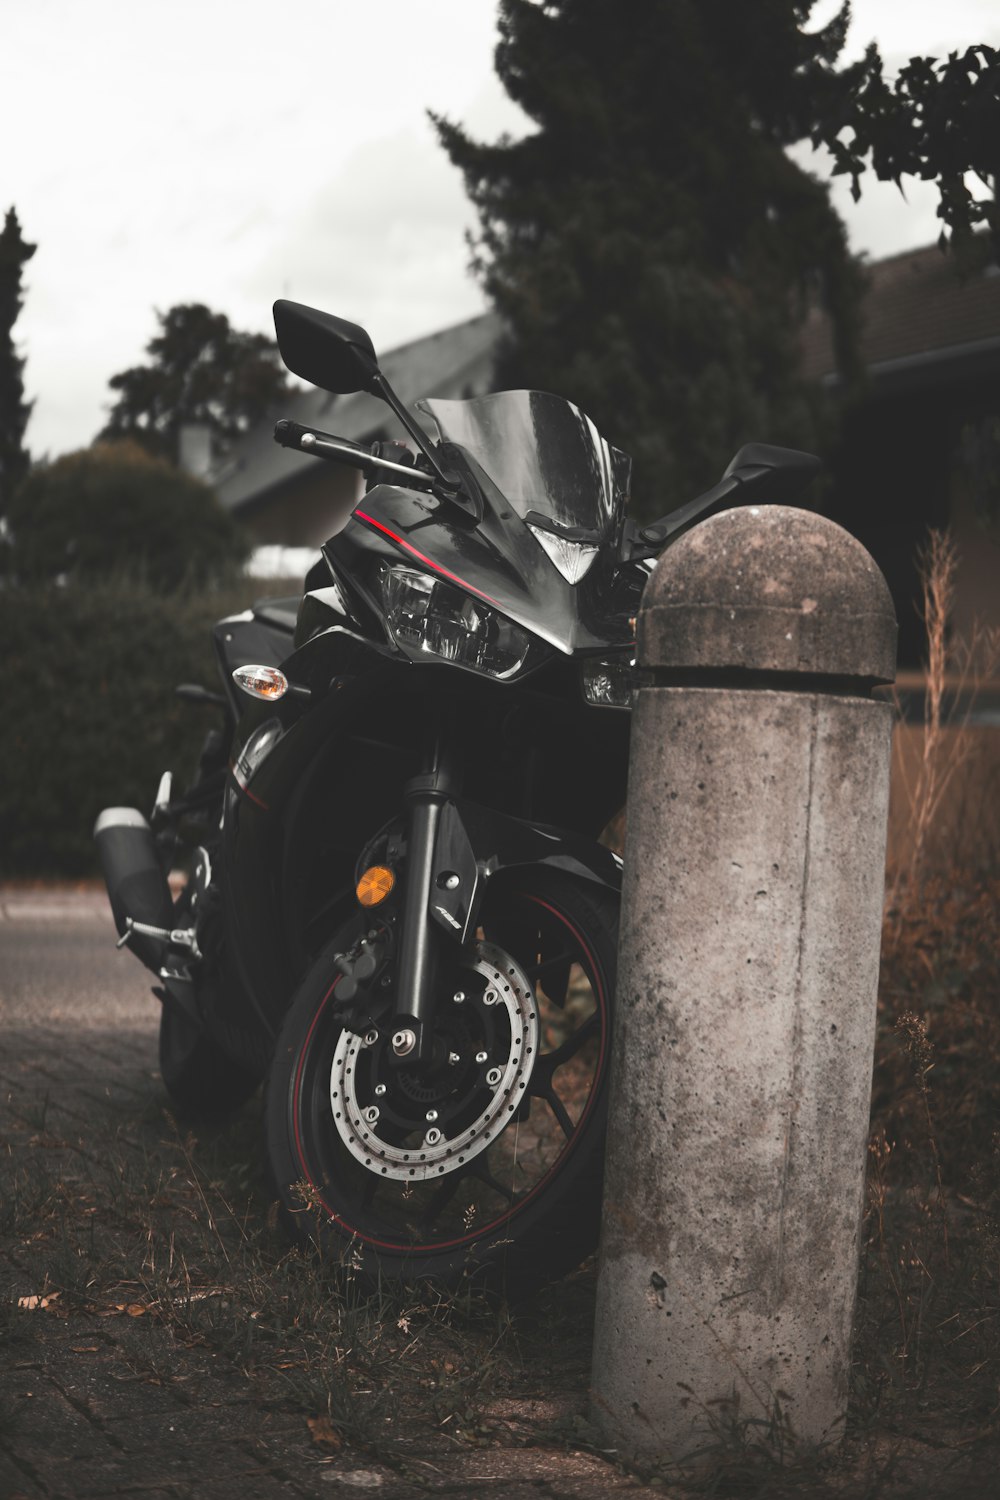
pixel 928 782
pixel 929 1321
pixel 928 1327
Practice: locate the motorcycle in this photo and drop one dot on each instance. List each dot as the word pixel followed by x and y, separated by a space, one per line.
pixel 399 916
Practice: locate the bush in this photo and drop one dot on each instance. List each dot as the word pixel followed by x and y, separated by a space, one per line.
pixel 112 507
pixel 91 716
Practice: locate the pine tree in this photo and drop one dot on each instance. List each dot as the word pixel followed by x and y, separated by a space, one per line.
pixel 15 460
pixel 651 245
pixel 201 370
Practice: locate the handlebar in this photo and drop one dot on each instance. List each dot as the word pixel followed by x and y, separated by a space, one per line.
pixel 341 450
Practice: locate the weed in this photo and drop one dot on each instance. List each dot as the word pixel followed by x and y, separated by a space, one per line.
pixel 956 670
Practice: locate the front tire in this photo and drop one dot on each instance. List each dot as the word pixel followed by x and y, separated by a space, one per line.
pixel 505 1183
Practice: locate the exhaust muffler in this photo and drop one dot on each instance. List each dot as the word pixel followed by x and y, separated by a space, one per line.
pixel 136 882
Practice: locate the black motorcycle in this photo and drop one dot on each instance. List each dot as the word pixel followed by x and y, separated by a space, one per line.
pixel 398 913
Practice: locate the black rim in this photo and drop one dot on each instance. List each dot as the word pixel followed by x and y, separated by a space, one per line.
pixel 477 1197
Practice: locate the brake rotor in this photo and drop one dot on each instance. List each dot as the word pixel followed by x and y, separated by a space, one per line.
pixel 374 1112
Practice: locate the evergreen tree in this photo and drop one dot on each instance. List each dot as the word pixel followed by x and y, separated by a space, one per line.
pixel 15 460
pixel 201 370
pixel 651 245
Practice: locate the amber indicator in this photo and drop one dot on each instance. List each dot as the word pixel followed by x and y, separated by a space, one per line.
pixel 261 682
pixel 374 885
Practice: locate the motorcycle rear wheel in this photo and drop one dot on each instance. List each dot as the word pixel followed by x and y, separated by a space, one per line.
pixel 514 1213
pixel 203 1083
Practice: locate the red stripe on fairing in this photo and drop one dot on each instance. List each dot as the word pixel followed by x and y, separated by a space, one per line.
pixel 438 568
pixel 510 1213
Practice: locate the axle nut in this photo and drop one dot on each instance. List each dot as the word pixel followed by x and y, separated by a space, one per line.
pixel 403 1042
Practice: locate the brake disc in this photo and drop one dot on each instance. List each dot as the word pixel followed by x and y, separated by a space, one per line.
pixel 367 1115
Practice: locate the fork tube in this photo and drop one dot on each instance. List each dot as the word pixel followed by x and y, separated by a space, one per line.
pixel 419 940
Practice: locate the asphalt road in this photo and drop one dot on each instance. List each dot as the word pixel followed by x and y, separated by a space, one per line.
pixel 59 964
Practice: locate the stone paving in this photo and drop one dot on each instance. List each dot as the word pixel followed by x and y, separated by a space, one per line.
pixel 102 1400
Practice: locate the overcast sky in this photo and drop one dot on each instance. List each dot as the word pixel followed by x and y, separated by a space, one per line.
pixel 198 151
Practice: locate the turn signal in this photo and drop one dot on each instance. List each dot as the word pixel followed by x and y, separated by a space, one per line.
pixel 261 682
pixel 374 885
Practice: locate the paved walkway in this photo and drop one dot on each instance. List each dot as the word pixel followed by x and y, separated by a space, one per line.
pixel 101 1394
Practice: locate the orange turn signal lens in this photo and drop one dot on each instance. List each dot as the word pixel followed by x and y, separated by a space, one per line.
pixel 261 682
pixel 374 885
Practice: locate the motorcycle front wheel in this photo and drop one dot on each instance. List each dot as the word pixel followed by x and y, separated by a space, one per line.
pixel 488 1165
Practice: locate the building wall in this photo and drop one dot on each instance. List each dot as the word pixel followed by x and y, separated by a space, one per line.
pixel 308 512
pixel 977 580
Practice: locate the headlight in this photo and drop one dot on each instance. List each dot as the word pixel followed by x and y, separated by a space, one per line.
pixel 426 615
pixel 607 684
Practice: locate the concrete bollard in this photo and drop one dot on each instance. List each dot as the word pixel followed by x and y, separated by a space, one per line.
pixel 748 967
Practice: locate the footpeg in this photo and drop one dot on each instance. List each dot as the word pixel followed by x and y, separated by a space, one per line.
pixel 177 937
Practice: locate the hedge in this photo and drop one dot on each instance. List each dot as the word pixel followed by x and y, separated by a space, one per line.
pixel 90 715
pixel 111 506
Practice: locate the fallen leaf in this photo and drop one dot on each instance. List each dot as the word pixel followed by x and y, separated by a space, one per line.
pixel 84 1348
pixel 31 1303
pixel 324 1433
pixel 136 1309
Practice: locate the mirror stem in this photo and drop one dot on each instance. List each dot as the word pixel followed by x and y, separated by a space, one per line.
pixel 448 482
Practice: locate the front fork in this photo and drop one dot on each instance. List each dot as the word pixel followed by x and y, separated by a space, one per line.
pixel 421 938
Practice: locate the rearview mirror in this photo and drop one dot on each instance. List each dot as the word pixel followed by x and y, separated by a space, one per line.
pixel 770 474
pixel 779 472
pixel 339 357
pixel 329 352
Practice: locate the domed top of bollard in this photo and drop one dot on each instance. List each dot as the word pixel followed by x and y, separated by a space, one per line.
pixel 769 588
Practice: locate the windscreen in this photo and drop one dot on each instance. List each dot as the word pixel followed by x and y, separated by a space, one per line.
pixel 542 453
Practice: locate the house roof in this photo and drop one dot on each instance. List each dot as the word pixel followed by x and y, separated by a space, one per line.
pixel 456 361
pixel 919 311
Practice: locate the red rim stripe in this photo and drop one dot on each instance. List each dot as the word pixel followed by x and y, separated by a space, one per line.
pixel 438 568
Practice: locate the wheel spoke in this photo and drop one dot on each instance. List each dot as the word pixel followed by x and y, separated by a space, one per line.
pixel 549 1061
pixel 440 1199
pixel 535 970
pixel 546 1091
pixel 481 1171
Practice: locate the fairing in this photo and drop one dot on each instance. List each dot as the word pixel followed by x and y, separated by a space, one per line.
pixel 542 453
pixel 526 451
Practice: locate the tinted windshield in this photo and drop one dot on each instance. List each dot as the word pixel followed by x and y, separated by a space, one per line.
pixel 542 453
